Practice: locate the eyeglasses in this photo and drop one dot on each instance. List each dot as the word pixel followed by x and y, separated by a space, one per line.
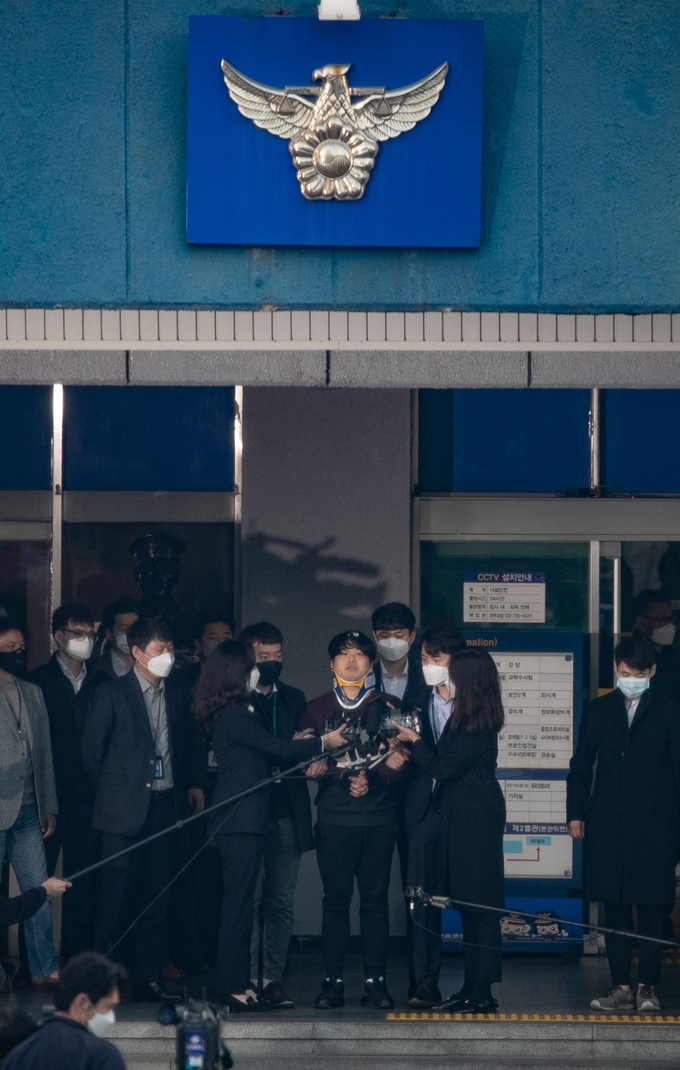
pixel 80 634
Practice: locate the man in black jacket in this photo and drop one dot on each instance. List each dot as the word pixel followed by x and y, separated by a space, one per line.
pixel 290 825
pixel 623 799
pixel 145 758
pixel 68 684
pixel 422 819
pixel 396 671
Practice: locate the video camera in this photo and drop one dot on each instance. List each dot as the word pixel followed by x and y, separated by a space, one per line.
pixel 199 1043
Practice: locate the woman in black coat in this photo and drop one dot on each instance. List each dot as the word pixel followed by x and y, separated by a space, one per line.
pixel 472 806
pixel 245 751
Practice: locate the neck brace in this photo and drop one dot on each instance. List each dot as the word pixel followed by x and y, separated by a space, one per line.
pixel 350 703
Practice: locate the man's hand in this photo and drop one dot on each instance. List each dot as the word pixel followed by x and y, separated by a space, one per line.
pixel 334 739
pixel 577 829
pixel 306 733
pixel 49 825
pixel 316 769
pixel 55 887
pixel 196 800
pixel 397 757
pixel 358 785
pixel 405 735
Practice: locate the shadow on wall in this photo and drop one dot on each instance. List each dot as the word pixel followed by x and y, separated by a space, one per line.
pixel 311 594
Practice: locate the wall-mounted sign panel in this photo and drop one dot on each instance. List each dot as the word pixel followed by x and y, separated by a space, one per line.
pixel 311 133
pixel 504 597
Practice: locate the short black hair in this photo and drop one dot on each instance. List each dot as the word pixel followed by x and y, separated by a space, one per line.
pixel 442 638
pixel 262 632
pixel 635 652
pixel 90 973
pixel 339 644
pixel 144 631
pixel 393 616
pixel 77 612
pixel 116 609
pixel 202 621
pixel 9 625
pixel 649 597
pixel 15 1026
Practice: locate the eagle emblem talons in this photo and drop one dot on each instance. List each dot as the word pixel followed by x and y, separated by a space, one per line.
pixel 333 140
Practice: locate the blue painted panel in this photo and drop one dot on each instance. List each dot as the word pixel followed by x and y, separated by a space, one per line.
pixel 520 441
pixel 148 438
pixel 435 441
pixel 637 463
pixel 26 437
pixel 425 187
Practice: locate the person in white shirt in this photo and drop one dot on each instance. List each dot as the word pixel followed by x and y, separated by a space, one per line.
pixel 115 658
pixel 394 633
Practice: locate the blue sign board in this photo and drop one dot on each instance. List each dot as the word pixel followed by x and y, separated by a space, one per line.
pixel 424 190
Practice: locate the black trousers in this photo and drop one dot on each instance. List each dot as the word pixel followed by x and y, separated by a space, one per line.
pixel 343 853
pixel 81 846
pixel 425 939
pixel 131 883
pixel 482 949
pixel 241 860
pixel 651 921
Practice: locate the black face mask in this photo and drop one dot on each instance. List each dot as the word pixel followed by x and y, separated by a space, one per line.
pixel 269 672
pixel 13 661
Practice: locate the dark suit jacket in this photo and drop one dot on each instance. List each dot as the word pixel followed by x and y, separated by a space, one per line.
pixel 418 788
pixel 289 705
pixel 624 783
pixel 118 752
pixel 66 712
pixel 245 751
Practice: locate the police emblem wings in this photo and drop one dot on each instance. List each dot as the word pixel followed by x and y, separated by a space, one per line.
pixel 333 129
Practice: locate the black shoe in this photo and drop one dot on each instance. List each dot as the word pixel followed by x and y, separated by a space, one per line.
pixel 248 1006
pixel 376 995
pixel 152 992
pixel 425 995
pixel 332 995
pixel 275 995
pixel 466 1005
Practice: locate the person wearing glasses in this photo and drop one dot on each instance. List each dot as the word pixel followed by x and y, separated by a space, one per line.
pixel 68 683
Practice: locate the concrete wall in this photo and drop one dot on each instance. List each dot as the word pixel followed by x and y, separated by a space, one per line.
pixel 326 534
pixel 581 166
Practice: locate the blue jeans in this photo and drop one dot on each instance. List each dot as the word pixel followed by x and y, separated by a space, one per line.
pixel 22 842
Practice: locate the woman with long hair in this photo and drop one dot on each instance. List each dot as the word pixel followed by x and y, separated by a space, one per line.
pixel 462 766
pixel 245 751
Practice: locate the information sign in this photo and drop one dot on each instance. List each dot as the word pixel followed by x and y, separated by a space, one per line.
pixel 504 596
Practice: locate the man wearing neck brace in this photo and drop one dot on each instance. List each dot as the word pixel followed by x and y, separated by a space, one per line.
pixel 623 800
pixel 356 828
pixel 654 620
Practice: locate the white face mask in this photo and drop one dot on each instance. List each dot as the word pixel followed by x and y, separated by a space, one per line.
pixel 161 664
pixel 79 649
pixel 122 643
pixel 633 686
pixel 392 649
pixel 436 675
pixel 664 636
pixel 254 678
pixel 101 1024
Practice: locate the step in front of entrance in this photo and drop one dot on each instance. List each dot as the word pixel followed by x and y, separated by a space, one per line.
pixel 262 1043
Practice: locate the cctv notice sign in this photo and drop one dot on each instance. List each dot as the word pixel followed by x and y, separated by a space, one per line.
pixel 504 597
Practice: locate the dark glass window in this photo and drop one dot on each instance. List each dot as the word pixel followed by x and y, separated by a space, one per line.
pixel 26 437
pixel 642 441
pixel 504 441
pixel 149 438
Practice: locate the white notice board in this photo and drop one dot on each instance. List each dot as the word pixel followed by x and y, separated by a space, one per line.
pixel 504 597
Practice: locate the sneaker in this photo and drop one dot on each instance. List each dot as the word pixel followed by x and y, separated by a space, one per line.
pixel 646 1000
pixel 332 994
pixel 277 997
pixel 425 995
pixel 617 999
pixel 376 994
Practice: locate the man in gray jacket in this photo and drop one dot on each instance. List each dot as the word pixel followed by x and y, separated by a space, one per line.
pixel 28 797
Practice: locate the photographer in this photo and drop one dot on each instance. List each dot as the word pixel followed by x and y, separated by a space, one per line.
pixel 357 828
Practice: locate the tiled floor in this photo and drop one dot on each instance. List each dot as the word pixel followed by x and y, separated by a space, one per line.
pixel 531 985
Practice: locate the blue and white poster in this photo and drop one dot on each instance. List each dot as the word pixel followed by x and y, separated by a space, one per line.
pixel 312 133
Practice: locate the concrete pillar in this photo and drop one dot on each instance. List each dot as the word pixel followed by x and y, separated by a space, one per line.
pixel 326 533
